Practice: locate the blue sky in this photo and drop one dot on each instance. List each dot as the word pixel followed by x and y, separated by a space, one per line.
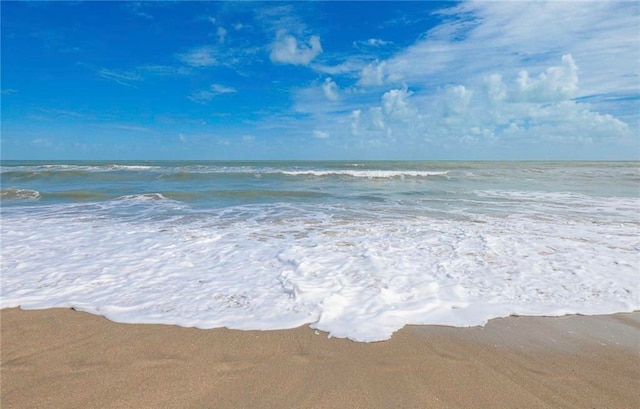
pixel 320 80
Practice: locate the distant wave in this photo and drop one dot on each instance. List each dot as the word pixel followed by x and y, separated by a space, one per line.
pixel 112 172
pixel 369 174
pixel 75 168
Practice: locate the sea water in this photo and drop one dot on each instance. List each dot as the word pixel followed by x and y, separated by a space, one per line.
pixel 355 249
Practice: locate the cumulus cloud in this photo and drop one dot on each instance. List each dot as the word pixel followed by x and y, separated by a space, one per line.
pixel 287 50
pixel 372 74
pixel 477 36
pixel 457 99
pixel 395 104
pixel 495 89
pixel 330 89
pixel 378 73
pixel 554 84
pixel 491 75
pixel 487 114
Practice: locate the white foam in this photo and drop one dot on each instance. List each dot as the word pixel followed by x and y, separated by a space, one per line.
pixel 226 169
pixel 69 168
pixel 19 194
pixel 369 174
pixel 361 276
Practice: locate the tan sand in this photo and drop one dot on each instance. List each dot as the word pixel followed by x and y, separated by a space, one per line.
pixel 65 359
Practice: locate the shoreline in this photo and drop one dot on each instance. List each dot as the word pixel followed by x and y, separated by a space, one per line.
pixel 63 358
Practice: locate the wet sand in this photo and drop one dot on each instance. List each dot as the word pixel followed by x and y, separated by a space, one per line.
pixel 61 358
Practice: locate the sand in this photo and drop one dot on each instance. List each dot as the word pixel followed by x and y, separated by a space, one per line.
pixel 61 358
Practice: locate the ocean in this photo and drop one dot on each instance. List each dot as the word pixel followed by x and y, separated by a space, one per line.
pixel 356 249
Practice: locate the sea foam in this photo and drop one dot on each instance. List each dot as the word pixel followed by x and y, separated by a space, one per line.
pixel 357 273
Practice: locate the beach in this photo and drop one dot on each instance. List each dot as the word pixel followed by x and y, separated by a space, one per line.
pixel 328 284
pixel 60 358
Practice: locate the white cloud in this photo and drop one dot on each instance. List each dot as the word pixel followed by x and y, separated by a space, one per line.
pixel 395 104
pixel 287 50
pixel 479 116
pixel 221 89
pixel 376 42
pixel 221 33
pixel 199 57
pixel 372 42
pixel 330 89
pixel 482 79
pixel 351 64
pixel 531 109
pixel 123 78
pixel 377 118
pixel 320 134
pixel 355 122
pixel 204 96
pixel 164 70
pixel 479 36
pixel 373 74
pixel 377 73
pixel 457 99
pixel 495 88
pixel 554 84
pixel 278 19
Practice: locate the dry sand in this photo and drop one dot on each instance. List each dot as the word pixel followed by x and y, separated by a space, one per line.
pixel 66 359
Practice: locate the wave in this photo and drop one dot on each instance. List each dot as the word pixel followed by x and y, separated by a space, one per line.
pixel 142 197
pixel 346 169
pixel 73 168
pixel 368 174
pixel 20 194
pixel 77 196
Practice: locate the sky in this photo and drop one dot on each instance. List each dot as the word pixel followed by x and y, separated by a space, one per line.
pixel 473 80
